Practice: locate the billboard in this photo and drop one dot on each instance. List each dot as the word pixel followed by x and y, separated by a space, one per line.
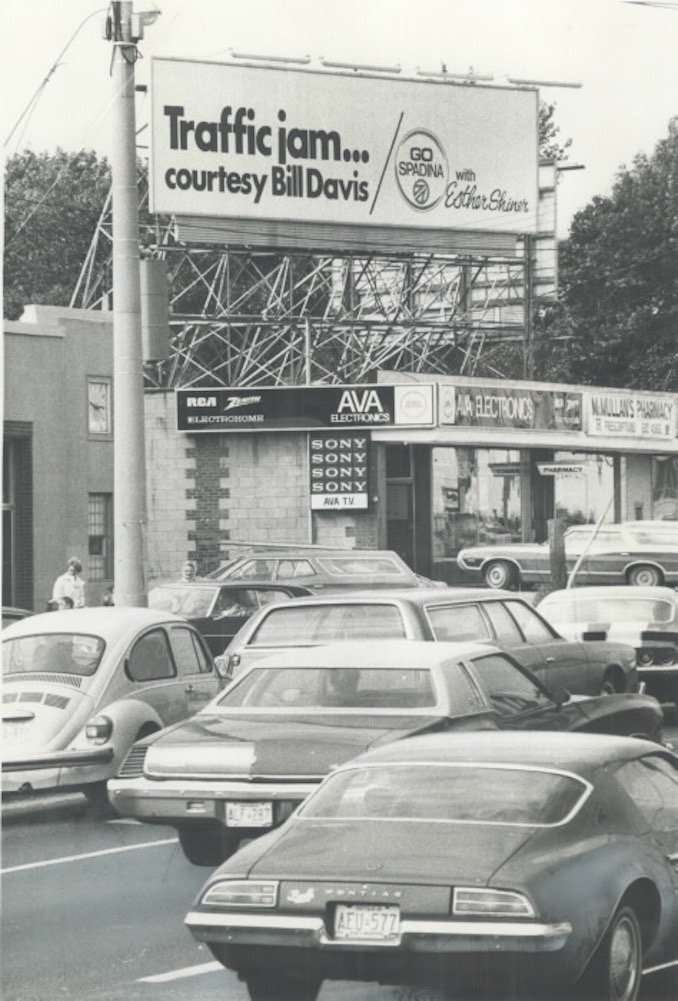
pixel 269 144
pixel 303 408
pixel 510 407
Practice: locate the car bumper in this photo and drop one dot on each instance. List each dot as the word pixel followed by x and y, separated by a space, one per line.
pixel 178 802
pixel 58 768
pixel 416 935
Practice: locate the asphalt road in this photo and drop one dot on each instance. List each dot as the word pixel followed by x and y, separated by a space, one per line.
pixel 93 910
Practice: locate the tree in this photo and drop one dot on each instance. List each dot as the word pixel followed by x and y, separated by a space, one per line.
pixel 617 319
pixel 52 206
pixel 550 145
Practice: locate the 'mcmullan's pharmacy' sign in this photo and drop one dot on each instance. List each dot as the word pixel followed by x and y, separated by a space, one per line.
pixel 303 408
pixel 631 415
pixel 273 144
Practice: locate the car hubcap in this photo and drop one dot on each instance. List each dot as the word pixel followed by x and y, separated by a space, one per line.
pixel 496 576
pixel 646 578
pixel 624 961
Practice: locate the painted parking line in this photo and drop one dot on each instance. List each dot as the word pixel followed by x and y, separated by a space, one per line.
pixel 87 855
pixel 186 971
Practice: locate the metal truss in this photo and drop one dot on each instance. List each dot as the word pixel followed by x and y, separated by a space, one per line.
pixel 244 317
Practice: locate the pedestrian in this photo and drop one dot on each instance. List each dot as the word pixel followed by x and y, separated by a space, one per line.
pixel 187 572
pixel 70 585
pixel 108 597
pixel 52 605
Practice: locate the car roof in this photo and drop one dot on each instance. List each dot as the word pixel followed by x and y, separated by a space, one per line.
pixel 614 591
pixel 274 554
pixel 582 753
pixel 383 654
pixel 414 596
pixel 107 622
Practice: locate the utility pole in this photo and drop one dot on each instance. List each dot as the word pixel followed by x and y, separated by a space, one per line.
pixel 129 460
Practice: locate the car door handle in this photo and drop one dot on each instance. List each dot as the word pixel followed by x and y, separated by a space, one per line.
pixel 189 688
pixel 550 660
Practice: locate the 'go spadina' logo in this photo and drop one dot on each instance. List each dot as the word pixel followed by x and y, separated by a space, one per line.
pixel 421 169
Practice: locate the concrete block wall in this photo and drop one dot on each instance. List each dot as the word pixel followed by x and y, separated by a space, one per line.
pixel 170 483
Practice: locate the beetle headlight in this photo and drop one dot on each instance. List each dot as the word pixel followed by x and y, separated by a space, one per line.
pixel 469 901
pixel 99 729
pixel 242 893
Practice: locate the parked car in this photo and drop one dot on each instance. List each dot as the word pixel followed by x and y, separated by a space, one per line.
pixel 549 862
pixel 451 614
pixel 321 569
pixel 644 617
pixel 218 609
pixel 10 615
pixel 81 686
pixel 629 553
pixel 243 764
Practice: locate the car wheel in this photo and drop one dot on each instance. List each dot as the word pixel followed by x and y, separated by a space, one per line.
pixel 207 845
pixel 645 576
pixel 614 973
pixel 281 987
pixel 612 684
pixel 500 574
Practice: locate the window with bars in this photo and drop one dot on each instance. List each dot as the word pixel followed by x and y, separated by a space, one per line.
pixel 100 536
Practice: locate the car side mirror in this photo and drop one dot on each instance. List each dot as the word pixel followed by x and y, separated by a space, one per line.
pixel 224 667
pixel 560 696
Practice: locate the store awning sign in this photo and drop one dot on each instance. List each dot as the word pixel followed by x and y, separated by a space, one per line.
pixel 339 471
pixel 302 408
pixel 631 415
pixel 510 407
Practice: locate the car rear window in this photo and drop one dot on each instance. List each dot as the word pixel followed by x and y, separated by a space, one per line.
pixel 621 609
pixel 295 626
pixel 332 687
pixel 52 653
pixel 476 794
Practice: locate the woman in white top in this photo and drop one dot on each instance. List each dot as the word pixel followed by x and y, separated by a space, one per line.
pixel 70 585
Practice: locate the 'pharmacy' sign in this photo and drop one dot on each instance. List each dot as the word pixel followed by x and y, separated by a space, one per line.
pixel 339 471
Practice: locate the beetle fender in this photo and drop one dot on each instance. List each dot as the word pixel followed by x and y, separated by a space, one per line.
pixel 128 716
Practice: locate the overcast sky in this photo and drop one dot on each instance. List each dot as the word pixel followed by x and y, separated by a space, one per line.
pixel 624 55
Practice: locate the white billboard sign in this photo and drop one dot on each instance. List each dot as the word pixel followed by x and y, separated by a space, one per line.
pixel 272 144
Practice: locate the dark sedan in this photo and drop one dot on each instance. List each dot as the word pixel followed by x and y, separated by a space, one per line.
pixel 642 553
pixel 218 610
pixel 549 860
pixel 449 614
pixel 242 765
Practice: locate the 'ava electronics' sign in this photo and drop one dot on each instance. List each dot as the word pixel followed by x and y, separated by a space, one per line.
pixel 301 408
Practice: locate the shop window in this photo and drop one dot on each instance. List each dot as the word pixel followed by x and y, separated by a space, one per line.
pixel 664 488
pixel 583 498
pixel 100 531
pixel 476 498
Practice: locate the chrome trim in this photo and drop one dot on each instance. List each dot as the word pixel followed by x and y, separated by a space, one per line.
pixel 144 790
pixel 660 967
pixel 474 929
pixel 59 759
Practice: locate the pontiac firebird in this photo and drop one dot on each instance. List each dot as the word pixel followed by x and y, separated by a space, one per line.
pixel 450 859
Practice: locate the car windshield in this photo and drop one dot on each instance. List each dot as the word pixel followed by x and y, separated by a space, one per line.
pixel 331 687
pixel 476 794
pixel 619 609
pixel 326 623
pixel 360 566
pixel 191 602
pixel 52 653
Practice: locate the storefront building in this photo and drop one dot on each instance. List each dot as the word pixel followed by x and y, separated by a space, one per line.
pixel 421 464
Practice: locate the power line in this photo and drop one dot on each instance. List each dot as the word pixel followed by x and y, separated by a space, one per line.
pixel 32 104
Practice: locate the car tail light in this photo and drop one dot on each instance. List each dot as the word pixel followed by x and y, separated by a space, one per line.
pixel 470 901
pixel 99 729
pixel 242 893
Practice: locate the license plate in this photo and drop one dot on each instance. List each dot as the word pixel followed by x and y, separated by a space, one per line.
pixel 367 922
pixel 249 814
pixel 14 733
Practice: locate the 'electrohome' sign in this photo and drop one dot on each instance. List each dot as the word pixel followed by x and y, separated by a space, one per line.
pixel 303 408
